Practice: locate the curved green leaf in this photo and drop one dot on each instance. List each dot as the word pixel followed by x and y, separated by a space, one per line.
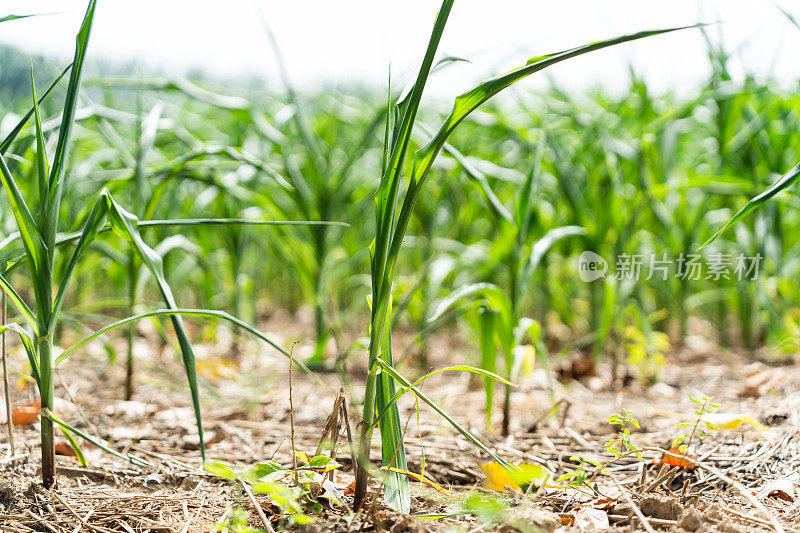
pixel 784 182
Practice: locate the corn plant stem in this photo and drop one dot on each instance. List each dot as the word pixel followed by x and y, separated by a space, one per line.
pixel 320 235
pixel 9 421
pixel 131 333
pixel 366 436
pixel 138 203
pixel 47 393
pixel 291 415
pixel 513 272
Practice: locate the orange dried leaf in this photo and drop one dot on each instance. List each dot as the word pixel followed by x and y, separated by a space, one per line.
pixel 671 460
pixel 63 448
pixel 25 415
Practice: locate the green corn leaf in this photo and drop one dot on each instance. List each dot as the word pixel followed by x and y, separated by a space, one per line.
pixel 472 99
pixel 125 225
pixel 21 124
pixel 14 17
pixel 481 289
pixel 784 182
pixel 539 249
pixel 74 445
pixel 21 306
pixel 455 368
pixel 422 396
pixel 479 177
pixel 97 442
pixel 27 343
pixel 206 313
pixel 464 105
pixel 70 105
pixel 42 167
pixel 28 229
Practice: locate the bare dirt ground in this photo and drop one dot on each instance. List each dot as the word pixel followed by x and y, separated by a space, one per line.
pixel 745 480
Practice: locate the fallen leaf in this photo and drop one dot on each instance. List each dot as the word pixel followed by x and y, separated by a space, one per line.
pixel 216 368
pixel 783 489
pixel 63 448
pixel 732 421
pixel 25 415
pixel 518 478
pixel 671 460
pixel 591 519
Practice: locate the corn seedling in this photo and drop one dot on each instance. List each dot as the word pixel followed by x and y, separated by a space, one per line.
pixel 392 218
pixel 40 240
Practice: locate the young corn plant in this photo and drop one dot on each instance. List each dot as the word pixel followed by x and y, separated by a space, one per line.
pixel 40 242
pixel 393 212
pixel 38 229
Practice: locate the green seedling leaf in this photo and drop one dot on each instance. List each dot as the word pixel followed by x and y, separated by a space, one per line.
pixel 324 463
pixel 219 469
pixel 14 17
pixel 263 469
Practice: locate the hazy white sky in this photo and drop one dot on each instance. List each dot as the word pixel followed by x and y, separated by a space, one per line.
pixel 347 41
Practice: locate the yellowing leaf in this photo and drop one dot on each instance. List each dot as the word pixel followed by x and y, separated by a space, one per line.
pixel 529 360
pixel 215 368
pixel 518 478
pixel 303 456
pixel 732 421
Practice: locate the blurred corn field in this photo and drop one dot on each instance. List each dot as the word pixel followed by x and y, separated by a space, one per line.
pixel 641 174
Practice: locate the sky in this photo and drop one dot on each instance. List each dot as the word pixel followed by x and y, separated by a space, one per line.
pixel 346 42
